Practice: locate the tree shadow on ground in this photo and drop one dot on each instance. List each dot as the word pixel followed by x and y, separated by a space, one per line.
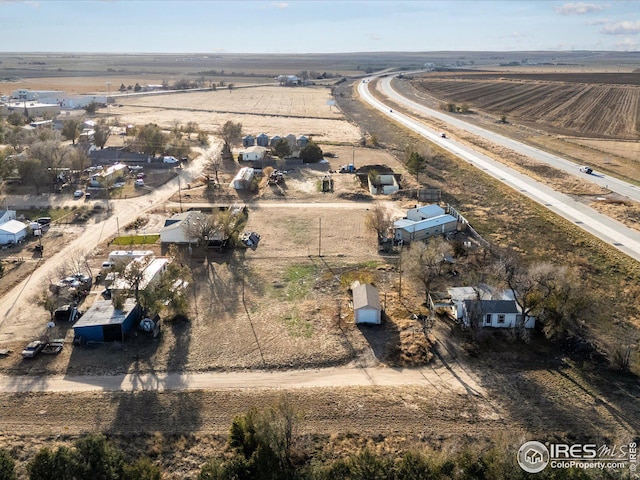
pixel 383 339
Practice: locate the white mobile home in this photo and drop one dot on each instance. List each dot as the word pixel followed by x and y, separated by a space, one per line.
pixel 126 256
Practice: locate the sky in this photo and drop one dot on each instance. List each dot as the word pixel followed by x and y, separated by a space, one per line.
pixel 306 26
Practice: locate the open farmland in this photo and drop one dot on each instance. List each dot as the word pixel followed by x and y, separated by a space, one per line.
pixel 270 109
pixel 585 107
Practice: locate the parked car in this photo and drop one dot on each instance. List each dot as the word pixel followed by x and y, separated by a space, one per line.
pixel 78 193
pixel 87 195
pixel 44 220
pixel 139 182
pixel 107 264
pixel 587 170
pixel 33 349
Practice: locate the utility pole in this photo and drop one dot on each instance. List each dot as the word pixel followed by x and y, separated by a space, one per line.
pixel 401 242
pixel 179 192
pixel 319 236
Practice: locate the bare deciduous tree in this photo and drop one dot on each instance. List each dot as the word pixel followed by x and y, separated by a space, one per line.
pixel 231 133
pixel 532 286
pixel 379 220
pixel 424 261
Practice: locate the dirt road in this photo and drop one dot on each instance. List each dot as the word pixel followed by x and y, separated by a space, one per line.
pixel 443 376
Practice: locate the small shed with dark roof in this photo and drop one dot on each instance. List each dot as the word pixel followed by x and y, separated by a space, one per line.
pixel 366 304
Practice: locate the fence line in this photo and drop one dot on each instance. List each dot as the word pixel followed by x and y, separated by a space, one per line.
pixel 454 213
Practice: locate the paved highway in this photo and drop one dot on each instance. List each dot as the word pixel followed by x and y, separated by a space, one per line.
pixel 615 233
pixel 614 184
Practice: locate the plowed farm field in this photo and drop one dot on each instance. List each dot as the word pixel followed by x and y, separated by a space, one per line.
pixel 583 105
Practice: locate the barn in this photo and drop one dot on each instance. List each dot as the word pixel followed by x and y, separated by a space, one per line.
pixel 103 323
pixel 366 304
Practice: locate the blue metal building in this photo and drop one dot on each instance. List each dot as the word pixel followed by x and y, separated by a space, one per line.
pixel 103 323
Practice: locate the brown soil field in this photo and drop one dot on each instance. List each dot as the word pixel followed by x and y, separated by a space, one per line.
pixel 581 106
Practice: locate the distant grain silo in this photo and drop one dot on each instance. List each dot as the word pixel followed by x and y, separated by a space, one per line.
pixel 275 140
pixel 248 141
pixel 262 140
pixel 303 141
pixel 293 141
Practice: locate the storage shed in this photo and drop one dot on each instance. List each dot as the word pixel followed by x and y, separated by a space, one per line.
pixel 12 232
pixel 366 304
pixel 103 323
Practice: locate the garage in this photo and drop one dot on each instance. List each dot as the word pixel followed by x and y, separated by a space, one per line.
pixel 366 305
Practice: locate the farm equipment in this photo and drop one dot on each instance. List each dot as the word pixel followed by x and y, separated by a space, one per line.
pixel 276 177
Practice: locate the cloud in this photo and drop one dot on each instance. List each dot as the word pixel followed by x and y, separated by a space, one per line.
pixel 627 44
pixel 621 28
pixel 580 8
pixel 279 4
pixel 373 36
pixel 602 21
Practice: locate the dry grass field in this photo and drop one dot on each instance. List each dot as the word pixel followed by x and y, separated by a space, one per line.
pixel 272 110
